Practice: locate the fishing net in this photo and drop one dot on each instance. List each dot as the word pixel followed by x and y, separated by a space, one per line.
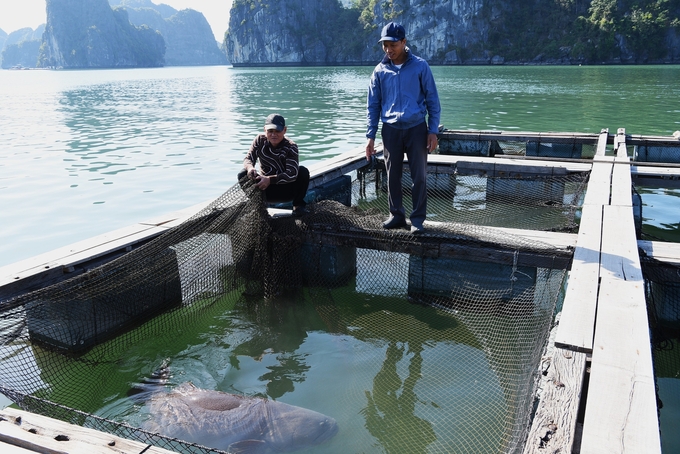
pixel 662 289
pixel 412 343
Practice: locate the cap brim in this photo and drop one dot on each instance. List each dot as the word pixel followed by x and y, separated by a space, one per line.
pixel 273 126
pixel 388 38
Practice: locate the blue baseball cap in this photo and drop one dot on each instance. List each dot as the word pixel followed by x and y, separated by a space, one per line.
pixel 275 121
pixel 392 32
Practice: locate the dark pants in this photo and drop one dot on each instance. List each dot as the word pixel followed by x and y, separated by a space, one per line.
pixel 413 143
pixel 285 192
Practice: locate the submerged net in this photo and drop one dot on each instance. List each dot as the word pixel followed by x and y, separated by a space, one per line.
pixel 427 343
pixel 662 289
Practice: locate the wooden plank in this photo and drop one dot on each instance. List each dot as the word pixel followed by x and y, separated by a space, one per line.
pixel 621 180
pixel 62 263
pixel 484 162
pixel 574 137
pixel 341 164
pixel 650 169
pixel 553 429
pixel 559 240
pixel 509 168
pixel 74 253
pixel 599 183
pixel 37 433
pixel 577 321
pixel 620 258
pixel 621 414
pixel 620 143
pixel 665 252
pixel 622 185
pixel 638 139
pixel 601 148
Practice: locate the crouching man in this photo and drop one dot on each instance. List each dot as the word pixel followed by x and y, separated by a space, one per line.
pixel 281 176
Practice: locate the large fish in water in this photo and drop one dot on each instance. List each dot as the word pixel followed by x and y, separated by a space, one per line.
pixel 234 423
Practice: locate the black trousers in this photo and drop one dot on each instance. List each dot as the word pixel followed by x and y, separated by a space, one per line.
pixel 412 143
pixel 286 192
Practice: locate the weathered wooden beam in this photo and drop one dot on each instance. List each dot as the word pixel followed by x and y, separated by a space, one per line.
pixel 662 251
pixel 575 137
pixel 28 432
pixel 439 243
pixel 332 168
pixel 542 166
pixel 68 261
pixel 553 429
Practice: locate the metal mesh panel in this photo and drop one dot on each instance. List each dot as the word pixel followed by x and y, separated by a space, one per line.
pixel 428 343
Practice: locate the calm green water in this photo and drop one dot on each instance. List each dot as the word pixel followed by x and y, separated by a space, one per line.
pixel 86 152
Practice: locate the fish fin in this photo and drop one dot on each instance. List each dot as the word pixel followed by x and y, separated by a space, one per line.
pixel 140 392
pixel 247 446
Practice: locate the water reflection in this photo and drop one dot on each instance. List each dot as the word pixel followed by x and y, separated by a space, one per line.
pixel 277 330
pixel 126 125
pixel 391 409
pixel 659 218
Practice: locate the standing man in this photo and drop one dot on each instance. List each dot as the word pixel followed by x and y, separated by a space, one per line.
pixel 280 175
pixel 401 92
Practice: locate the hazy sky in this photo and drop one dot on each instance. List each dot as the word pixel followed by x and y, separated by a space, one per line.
pixel 16 14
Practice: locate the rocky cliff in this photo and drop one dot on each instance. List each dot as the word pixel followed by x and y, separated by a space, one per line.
pixel 89 34
pixel 293 32
pixel 21 48
pixel 188 37
pixel 265 32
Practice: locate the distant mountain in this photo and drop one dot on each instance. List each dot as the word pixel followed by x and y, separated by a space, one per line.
pixel 188 37
pixel 164 10
pixel 21 48
pixel 89 34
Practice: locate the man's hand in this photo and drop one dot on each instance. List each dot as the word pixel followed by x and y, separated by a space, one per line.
pixel 370 149
pixel 252 173
pixel 262 182
pixel 431 142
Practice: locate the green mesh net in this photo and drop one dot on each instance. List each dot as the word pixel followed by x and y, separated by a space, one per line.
pixel 409 343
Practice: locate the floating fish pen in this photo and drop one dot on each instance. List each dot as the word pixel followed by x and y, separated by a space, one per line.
pixel 528 317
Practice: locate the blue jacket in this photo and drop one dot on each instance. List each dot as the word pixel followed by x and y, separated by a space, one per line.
pixel 402 97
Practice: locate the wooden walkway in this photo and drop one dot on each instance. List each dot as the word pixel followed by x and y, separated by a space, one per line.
pixel 601 365
pixel 603 326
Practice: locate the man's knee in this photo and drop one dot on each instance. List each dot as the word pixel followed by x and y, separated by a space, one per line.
pixel 303 177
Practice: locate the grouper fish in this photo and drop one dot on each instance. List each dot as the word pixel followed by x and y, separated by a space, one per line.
pixel 234 423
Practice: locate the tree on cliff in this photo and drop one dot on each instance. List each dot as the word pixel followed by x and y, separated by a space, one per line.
pixel 89 34
pixel 456 31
